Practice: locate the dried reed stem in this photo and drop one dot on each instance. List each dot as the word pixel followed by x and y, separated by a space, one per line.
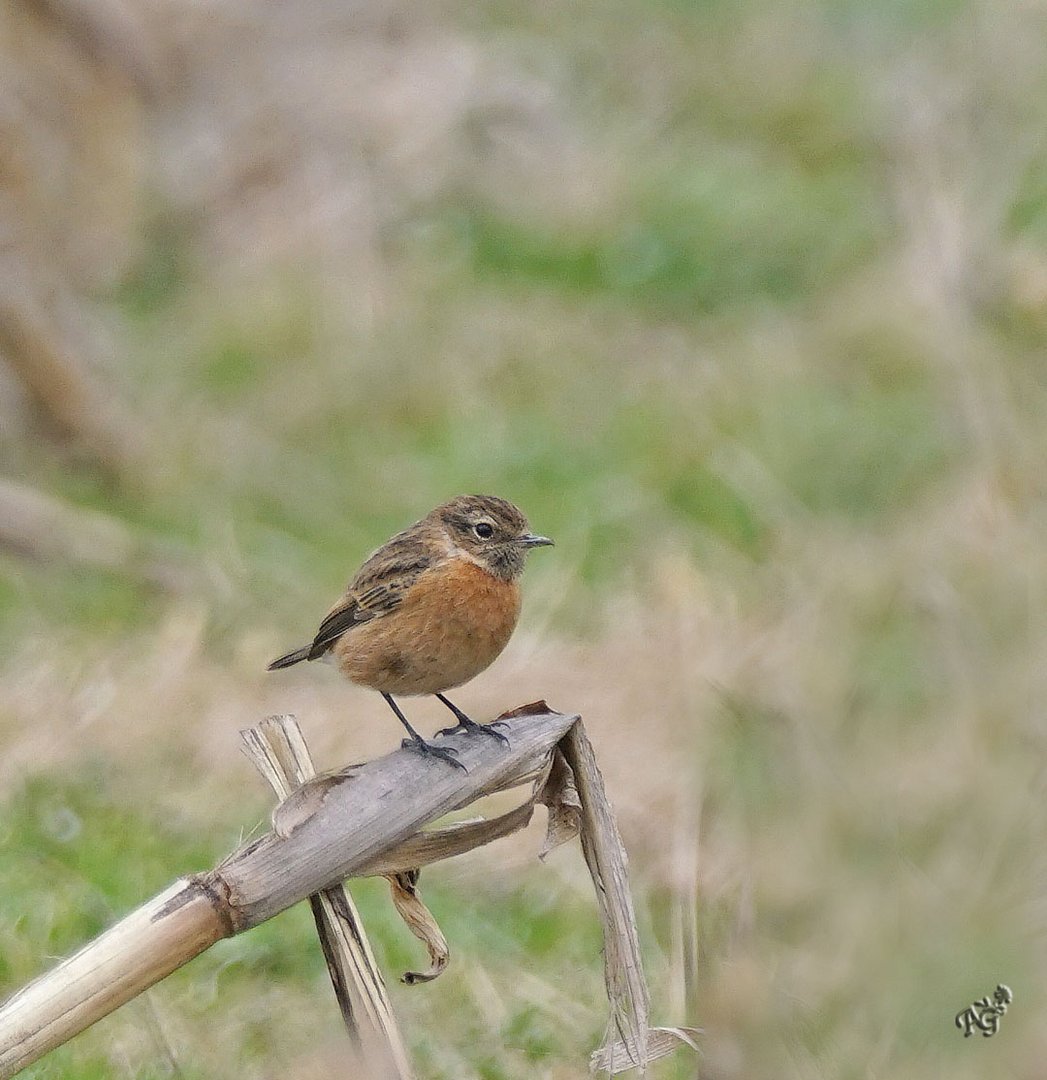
pixel 357 826
pixel 279 752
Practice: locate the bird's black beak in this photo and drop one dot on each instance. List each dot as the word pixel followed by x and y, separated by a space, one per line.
pixel 530 540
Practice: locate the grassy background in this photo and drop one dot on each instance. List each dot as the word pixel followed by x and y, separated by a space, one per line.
pixel 746 305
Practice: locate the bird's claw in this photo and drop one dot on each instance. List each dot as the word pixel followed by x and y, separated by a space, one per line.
pixel 445 753
pixel 471 725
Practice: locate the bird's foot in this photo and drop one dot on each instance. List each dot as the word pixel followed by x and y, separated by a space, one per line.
pixel 445 753
pixel 465 724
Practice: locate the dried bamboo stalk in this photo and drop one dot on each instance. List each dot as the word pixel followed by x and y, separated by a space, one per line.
pixel 137 952
pixel 359 823
pixel 279 751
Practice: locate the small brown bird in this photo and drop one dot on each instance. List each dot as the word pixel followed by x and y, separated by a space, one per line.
pixel 430 609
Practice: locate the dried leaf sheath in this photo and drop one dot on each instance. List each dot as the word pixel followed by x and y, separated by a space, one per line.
pixel 368 820
pixel 605 855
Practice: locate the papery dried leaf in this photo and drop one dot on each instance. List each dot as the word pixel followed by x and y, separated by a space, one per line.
pixel 605 856
pixel 661 1041
pixel 421 923
pixel 560 796
pixel 432 845
pixel 536 708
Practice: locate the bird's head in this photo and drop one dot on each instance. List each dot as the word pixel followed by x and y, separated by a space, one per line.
pixel 492 530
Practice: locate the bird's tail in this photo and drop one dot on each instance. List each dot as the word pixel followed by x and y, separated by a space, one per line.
pixel 294 657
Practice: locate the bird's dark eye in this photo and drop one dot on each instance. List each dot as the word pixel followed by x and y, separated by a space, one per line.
pixel 484 530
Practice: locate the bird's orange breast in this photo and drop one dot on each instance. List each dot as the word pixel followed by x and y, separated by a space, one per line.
pixel 452 623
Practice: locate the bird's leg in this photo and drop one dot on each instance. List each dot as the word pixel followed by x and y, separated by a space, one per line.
pixel 465 724
pixel 417 743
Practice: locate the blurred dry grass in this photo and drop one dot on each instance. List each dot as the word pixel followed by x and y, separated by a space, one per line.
pixel 746 305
